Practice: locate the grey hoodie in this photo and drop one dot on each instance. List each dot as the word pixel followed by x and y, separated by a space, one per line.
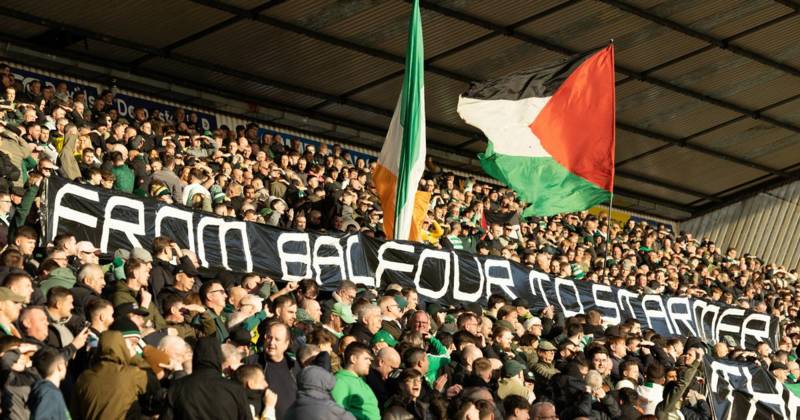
pixel 314 398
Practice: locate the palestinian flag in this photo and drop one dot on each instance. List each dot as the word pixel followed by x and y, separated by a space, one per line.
pixel 550 131
pixel 402 159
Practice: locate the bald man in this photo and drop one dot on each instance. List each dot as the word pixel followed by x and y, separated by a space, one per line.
pixel 543 410
pixel 386 361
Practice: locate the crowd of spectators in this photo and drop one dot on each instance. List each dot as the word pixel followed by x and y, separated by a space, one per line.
pixel 150 333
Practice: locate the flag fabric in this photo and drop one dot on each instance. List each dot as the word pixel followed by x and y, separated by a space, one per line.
pixel 402 159
pixel 550 131
pixel 422 201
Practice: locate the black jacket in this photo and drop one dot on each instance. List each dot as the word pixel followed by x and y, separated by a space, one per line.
pixel 163 273
pixel 205 394
pixel 282 379
pixel 379 387
pixel 361 333
pixel 81 295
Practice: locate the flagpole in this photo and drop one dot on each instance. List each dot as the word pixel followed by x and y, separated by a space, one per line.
pixel 608 237
pixel 610 211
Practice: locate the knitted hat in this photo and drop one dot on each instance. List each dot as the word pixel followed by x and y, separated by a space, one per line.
pixel 217 195
pixel 157 190
pixel 512 368
pixel 127 327
pixel 383 336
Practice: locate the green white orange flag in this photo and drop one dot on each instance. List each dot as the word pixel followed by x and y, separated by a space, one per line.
pixel 402 159
pixel 551 132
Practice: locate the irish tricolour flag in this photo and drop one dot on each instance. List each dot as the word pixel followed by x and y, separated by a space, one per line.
pixel 402 158
pixel 550 131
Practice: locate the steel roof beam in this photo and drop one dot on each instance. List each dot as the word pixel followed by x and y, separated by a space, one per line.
pixel 713 42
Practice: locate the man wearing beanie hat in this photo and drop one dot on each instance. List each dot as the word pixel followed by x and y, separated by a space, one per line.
pixel 382 339
pixel 130 333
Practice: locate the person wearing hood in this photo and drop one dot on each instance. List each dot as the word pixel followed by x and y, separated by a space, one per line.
pixel 206 394
pixel 111 388
pixel 66 158
pixel 314 398
pixel 60 277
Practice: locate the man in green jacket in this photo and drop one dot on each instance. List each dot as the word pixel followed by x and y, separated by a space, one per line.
pixel 125 178
pixel 351 391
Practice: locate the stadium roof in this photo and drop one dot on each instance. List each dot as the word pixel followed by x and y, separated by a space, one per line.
pixel 708 92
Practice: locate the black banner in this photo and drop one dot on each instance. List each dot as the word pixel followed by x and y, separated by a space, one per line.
pixel 111 220
pixel 747 391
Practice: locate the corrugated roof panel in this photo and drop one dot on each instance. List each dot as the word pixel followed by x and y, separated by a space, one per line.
pixel 244 4
pixel 106 51
pixel 441 99
pixel 448 138
pixel 146 22
pixel 379 122
pixel 756 141
pixel 511 12
pixel 228 83
pixel 729 192
pixel 497 57
pixel 639 44
pixel 718 18
pixel 19 28
pixel 789 112
pixel 317 14
pixel 385 27
pixel 650 189
pixel 384 93
pixel 646 207
pixel 698 171
pixel 650 107
pixel 281 55
pixel 778 42
pixel 630 144
pixel 724 75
